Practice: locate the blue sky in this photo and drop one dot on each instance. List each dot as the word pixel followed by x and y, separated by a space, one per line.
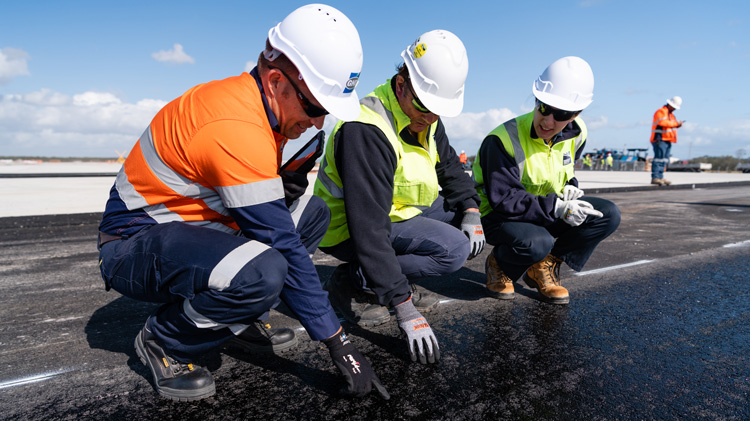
pixel 84 78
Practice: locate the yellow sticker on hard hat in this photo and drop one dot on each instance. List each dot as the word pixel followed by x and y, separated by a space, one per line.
pixel 419 50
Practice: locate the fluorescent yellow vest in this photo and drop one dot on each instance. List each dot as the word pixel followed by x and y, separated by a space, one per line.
pixel 543 169
pixel 415 184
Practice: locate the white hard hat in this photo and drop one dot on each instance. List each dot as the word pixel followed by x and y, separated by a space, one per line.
pixel 675 102
pixel 567 84
pixel 438 66
pixel 324 45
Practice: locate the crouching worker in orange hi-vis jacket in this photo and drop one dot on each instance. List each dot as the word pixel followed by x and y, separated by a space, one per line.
pixel 198 219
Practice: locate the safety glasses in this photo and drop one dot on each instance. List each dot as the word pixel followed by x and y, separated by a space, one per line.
pixel 312 111
pixel 416 102
pixel 559 115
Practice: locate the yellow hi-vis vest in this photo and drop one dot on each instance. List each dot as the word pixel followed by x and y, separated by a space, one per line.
pixel 415 183
pixel 543 169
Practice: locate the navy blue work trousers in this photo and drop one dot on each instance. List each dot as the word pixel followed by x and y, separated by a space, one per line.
pixel 213 284
pixel 662 153
pixel 427 245
pixel 518 245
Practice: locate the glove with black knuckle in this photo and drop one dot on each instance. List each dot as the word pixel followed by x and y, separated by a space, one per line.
pixel 471 225
pixel 360 377
pixel 295 185
pixel 575 212
pixel 422 341
pixel 571 192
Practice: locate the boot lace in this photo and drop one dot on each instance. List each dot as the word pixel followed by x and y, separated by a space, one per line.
pixel 551 271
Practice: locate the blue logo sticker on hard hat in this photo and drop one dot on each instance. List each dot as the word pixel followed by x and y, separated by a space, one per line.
pixel 351 83
pixel 419 50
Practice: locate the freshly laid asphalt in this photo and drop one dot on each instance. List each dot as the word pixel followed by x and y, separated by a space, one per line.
pixel 657 327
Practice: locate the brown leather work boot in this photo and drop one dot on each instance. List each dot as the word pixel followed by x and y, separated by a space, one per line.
pixel 657 181
pixel 545 276
pixel 498 283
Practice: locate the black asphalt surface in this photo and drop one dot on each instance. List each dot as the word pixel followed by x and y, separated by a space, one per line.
pixel 658 327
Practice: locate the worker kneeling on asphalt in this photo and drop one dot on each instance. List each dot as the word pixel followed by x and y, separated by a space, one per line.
pixel 532 209
pixel 198 218
pixel 382 175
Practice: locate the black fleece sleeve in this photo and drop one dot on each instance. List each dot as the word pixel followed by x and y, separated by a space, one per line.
pixel 506 195
pixel 457 186
pixel 367 163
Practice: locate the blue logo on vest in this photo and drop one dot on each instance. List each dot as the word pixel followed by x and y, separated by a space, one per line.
pixel 566 158
pixel 351 83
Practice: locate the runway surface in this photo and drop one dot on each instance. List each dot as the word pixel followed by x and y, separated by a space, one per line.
pixel 657 328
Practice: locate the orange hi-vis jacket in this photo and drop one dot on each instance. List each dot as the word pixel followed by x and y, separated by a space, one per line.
pixel 665 124
pixel 211 149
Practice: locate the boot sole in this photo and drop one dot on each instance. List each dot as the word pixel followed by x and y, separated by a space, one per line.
pixel 265 349
pixel 551 300
pixel 368 322
pixel 173 394
pixel 501 295
pixel 347 315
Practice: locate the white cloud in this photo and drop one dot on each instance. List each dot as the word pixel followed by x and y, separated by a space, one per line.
pixel 175 56
pixel 12 64
pixel 467 130
pixel 594 123
pixel 46 123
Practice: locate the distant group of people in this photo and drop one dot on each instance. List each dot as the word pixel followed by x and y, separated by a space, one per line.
pixel 202 219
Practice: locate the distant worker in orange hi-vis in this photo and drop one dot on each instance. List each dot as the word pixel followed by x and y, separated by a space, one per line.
pixel 663 135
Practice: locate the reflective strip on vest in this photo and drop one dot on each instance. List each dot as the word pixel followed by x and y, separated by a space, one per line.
pixel 512 128
pixel 329 184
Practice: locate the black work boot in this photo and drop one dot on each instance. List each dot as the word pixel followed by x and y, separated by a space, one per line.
pixel 260 337
pixel 354 305
pixel 173 379
pixel 425 301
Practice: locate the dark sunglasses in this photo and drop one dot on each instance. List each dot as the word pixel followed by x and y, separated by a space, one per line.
pixel 416 102
pixel 559 115
pixel 312 111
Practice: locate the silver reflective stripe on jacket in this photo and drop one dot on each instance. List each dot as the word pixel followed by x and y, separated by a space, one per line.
pixel 221 277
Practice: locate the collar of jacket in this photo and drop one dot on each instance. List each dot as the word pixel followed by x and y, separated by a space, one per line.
pixel 570 131
pixel 269 114
pixel 387 94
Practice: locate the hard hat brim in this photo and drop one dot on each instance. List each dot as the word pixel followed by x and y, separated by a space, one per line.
pixel 559 103
pixel 440 106
pixel 674 105
pixel 343 108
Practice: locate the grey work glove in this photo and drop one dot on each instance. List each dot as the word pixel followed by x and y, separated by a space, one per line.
pixel 575 212
pixel 360 377
pixel 571 192
pixel 471 225
pixel 421 339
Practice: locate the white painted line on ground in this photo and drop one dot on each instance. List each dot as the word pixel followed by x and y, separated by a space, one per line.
pixel 31 379
pixel 600 270
pixel 740 244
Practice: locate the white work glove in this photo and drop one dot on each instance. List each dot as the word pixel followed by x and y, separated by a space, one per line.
pixel 471 225
pixel 575 212
pixel 571 193
pixel 422 341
